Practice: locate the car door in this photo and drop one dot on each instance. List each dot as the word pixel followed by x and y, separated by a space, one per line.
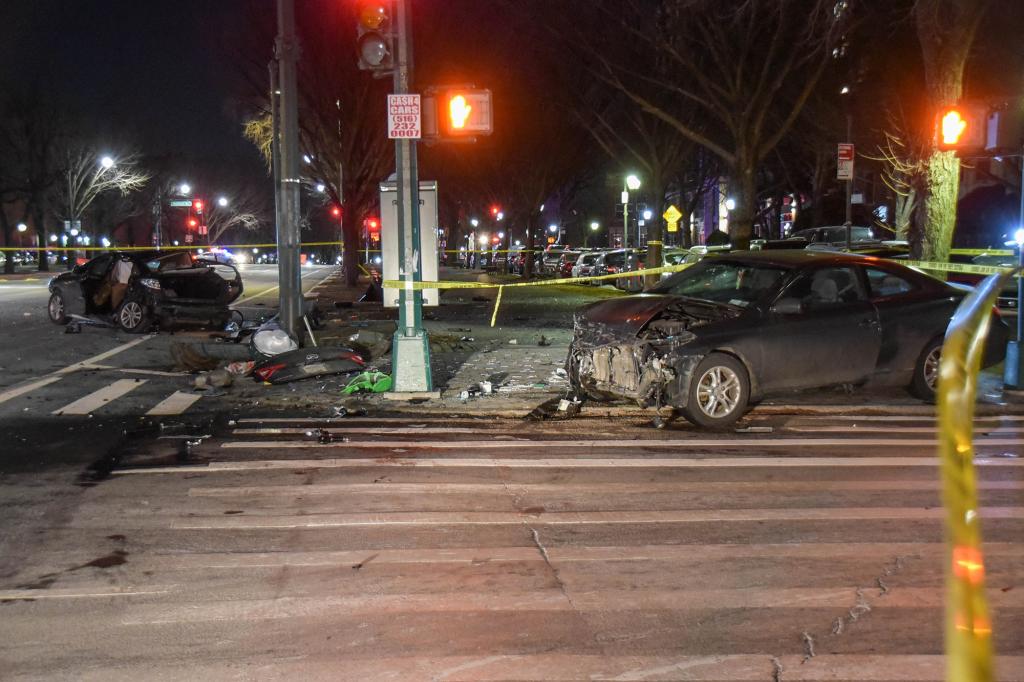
pixel 78 294
pixel 832 338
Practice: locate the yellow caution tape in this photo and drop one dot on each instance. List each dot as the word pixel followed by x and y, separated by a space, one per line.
pixel 982 252
pixel 413 286
pixel 954 267
pixel 968 622
pixel 165 247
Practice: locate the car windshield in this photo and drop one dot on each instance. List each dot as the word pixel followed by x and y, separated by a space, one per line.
pixel 738 284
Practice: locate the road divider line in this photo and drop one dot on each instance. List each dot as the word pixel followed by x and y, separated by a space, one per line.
pixel 631 445
pixel 103 396
pixel 12 393
pixel 566 463
pixel 175 403
pixel 573 518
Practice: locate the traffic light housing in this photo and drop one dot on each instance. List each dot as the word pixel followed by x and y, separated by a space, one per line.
pixel 457 113
pixel 962 127
pixel 375 40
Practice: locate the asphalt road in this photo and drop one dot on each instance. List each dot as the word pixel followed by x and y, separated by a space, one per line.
pixel 430 547
pixel 65 397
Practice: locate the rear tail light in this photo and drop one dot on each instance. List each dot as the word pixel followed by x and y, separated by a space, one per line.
pixel 611 269
pixel 264 373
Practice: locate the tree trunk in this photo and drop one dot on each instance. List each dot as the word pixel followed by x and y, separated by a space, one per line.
pixel 903 214
pixel 655 235
pixel 8 230
pixel 40 225
pixel 350 253
pixel 528 261
pixel 943 183
pixel 741 219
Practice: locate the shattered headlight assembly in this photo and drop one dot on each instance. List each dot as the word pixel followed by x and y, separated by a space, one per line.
pixel 150 283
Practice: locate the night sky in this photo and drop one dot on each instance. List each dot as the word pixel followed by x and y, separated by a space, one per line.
pixel 161 74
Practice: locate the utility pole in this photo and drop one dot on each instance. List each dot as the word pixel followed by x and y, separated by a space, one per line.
pixel 289 274
pixel 849 188
pixel 410 354
pixel 275 138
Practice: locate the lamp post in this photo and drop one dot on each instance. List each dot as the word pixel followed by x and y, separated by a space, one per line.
pixel 631 182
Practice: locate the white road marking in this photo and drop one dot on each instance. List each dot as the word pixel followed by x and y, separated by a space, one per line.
pixel 575 518
pixel 103 396
pixel 175 403
pixel 356 429
pixel 74 367
pixel 902 418
pixel 564 489
pixel 992 429
pixel 249 298
pixel 570 463
pixel 630 445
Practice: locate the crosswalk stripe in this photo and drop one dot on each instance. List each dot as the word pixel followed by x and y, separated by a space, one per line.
pixel 27 388
pixel 570 463
pixel 675 444
pixel 175 403
pixel 103 396
pixel 575 518
pixel 991 430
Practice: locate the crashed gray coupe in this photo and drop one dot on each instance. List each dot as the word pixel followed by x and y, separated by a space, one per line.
pixel 732 328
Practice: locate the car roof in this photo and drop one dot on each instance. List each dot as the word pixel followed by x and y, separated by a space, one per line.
pixel 799 258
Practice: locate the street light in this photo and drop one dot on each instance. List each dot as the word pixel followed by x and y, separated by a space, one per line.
pixel 22 227
pixel 74 231
pixel 474 222
pixel 222 202
pixel 730 204
pixel 647 214
pixel 107 162
pixel 53 238
pixel 552 228
pixel 500 216
pixel 185 188
pixel 632 182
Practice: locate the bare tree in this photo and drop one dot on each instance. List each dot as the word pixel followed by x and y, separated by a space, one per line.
pixel 744 69
pixel 244 209
pixel 946 31
pixel 89 175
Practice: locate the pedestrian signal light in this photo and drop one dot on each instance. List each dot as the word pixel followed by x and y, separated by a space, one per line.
pixel 374 35
pixel 962 127
pixel 465 113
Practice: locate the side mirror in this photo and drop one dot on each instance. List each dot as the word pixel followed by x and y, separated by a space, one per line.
pixel 788 306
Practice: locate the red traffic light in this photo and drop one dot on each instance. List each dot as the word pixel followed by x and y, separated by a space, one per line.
pixel 373 224
pixel 193 223
pixel 495 211
pixel 336 211
pixel 198 205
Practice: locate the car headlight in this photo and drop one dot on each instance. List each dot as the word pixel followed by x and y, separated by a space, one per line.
pixel 150 283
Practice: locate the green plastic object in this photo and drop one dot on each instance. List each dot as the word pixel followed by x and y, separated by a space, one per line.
pixel 371 382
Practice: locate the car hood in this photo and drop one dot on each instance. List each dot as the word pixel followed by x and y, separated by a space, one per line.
pixel 624 318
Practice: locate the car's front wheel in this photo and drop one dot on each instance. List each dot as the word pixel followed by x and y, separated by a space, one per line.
pixel 926 371
pixel 133 317
pixel 719 392
pixel 56 310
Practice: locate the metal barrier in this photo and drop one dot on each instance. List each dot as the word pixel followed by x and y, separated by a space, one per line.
pixel 968 623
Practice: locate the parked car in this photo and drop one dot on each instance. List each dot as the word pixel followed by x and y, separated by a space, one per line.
pixel 563 268
pixel 834 234
pixel 169 288
pixel 609 263
pixel 584 265
pixel 549 261
pixel 740 325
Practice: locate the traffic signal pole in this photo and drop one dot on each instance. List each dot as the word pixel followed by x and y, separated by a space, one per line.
pixel 289 273
pixel 410 354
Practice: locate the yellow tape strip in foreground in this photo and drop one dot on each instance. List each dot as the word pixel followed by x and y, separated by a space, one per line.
pixel 954 267
pixel 968 621
pixel 179 247
pixel 982 252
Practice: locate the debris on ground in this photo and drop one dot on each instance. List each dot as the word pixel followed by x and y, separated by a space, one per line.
pixel 188 358
pixel 218 378
pixel 370 382
pixel 513 342
pixel 323 436
pixel 307 363
pixel 342 411
pixel 544 341
pixel 271 339
pixel 241 369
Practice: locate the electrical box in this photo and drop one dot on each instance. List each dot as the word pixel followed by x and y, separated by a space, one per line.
pixel 428 240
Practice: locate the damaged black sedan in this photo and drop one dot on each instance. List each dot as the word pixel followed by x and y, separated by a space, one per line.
pixel 720 335
pixel 136 289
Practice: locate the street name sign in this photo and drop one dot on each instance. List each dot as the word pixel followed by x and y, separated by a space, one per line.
pixel 844 162
pixel 181 203
pixel 405 117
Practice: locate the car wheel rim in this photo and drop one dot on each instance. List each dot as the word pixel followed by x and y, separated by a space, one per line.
pixel 718 392
pixel 931 368
pixel 131 315
pixel 56 307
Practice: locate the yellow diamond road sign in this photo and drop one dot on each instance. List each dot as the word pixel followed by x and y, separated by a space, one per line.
pixel 672 216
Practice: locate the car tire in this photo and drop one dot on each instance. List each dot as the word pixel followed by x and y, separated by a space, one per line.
pixel 926 371
pixel 56 309
pixel 133 317
pixel 719 392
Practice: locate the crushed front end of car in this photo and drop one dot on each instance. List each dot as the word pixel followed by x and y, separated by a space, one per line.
pixel 645 356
